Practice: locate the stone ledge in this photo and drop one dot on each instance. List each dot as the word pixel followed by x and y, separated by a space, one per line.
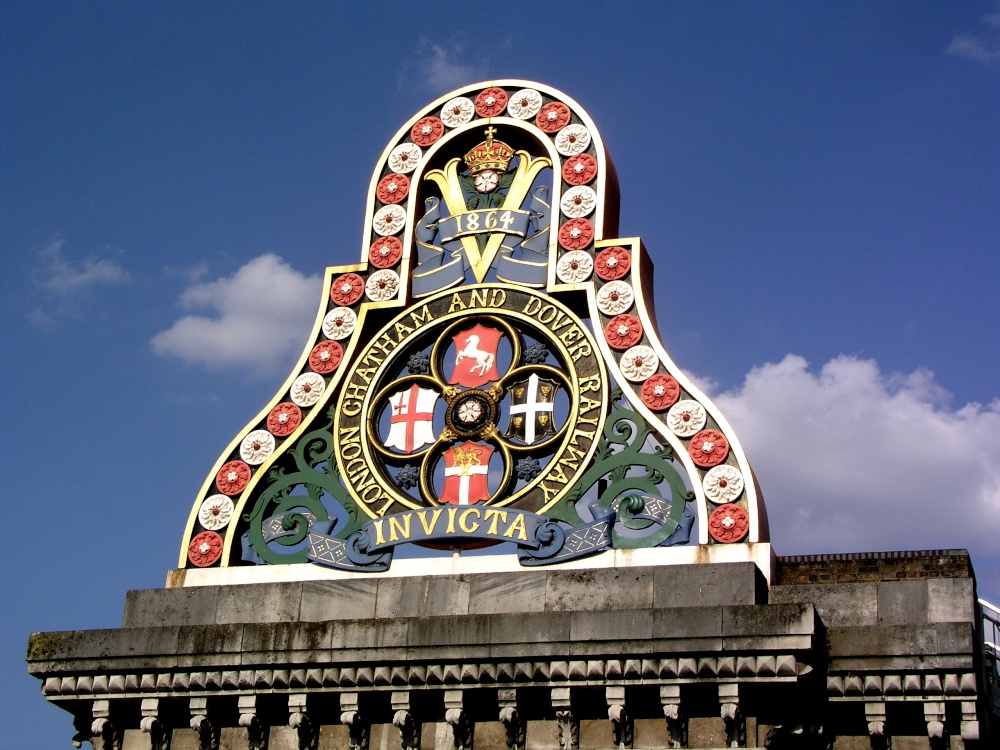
pixel 631 588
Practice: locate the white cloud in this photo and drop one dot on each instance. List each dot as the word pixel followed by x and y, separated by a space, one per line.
pixel 59 275
pixel 983 48
pixel 849 459
pixel 259 318
pixel 441 68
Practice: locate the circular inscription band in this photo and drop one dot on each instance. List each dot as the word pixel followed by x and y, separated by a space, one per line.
pixel 489 394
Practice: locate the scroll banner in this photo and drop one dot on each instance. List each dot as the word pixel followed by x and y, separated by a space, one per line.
pixel 540 541
pixel 508 221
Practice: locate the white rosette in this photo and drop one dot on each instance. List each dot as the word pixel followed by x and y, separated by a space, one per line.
pixel 457 111
pixel 307 389
pixel 574 266
pixel 404 158
pixel 723 484
pixel 615 297
pixel 339 323
pixel 382 285
pixel 578 201
pixel 256 447
pixel 572 140
pixel 685 418
pixel 638 363
pixel 215 512
pixel 524 104
pixel 389 220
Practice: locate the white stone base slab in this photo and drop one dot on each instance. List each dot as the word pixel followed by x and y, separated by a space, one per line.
pixel 759 553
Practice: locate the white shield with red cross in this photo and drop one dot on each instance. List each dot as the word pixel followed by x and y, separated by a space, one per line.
pixel 412 420
pixel 476 356
pixel 465 474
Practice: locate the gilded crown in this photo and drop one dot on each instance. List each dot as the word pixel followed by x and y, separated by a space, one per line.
pixel 489 154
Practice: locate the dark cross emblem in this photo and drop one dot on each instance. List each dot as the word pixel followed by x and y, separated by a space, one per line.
pixel 532 410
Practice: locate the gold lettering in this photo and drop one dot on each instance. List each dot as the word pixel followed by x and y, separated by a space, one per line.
pixel 461 521
pixel 478 298
pixel 457 303
pixel 557 475
pixel 494 516
pixel 402 331
pixel 370 493
pixel 356 391
pixel 352 408
pixel 583 350
pixel 548 491
pixel 354 466
pixel 381 511
pixel 379 538
pixel 365 373
pixel 350 435
pixel 593 383
pixel 424 316
pixel 429 527
pixel 384 344
pixel 571 336
pixel 586 404
pixel 547 314
pixel 518 526
pixel 451 520
pixel 498 298
pixel 532 307
pixel 402 525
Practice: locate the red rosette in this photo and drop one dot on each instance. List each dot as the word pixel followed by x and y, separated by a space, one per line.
pixel 491 102
pixel 324 359
pixel 286 416
pixel 623 331
pixel 579 169
pixel 385 252
pixel 660 392
pixel 576 234
pixel 426 131
pixel 233 478
pixel 393 188
pixel 612 263
pixel 347 289
pixel 553 117
pixel 708 448
pixel 728 523
pixel 205 549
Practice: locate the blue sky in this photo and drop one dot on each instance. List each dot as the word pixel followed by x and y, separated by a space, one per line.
pixel 817 185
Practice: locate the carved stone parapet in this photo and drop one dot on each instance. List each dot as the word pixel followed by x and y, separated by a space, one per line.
pixel 104 733
pixel 970 721
pixel 569 730
pixel 402 719
pixel 256 731
pixel 409 730
pixel 878 733
pixel 159 735
pixel 462 727
pixel 670 699
pixel 566 721
pixel 729 698
pixel 208 733
pixel 934 716
pixel 621 722
pixel 797 737
pixel 358 727
pixel 306 729
pixel 510 717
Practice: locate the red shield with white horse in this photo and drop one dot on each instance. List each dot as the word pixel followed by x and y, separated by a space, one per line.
pixel 476 356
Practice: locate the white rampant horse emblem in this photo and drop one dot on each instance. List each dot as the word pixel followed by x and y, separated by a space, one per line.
pixel 484 360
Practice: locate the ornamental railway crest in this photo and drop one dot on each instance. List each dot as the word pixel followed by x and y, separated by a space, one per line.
pixel 487 374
